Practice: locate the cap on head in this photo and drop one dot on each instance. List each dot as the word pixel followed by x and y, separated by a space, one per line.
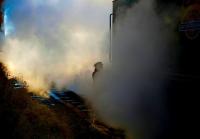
pixel 98 65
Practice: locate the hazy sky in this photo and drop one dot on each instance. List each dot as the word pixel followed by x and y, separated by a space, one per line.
pixel 94 12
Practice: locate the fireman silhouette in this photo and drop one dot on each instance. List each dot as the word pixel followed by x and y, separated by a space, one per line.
pixel 98 68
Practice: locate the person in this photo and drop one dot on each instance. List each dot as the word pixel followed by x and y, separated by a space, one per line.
pixel 98 68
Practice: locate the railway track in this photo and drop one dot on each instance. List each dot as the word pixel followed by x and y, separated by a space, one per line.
pixel 76 103
pixel 72 100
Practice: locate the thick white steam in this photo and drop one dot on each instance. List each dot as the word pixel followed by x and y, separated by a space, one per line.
pixel 54 40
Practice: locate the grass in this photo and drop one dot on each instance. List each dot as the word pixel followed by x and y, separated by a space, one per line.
pixel 21 117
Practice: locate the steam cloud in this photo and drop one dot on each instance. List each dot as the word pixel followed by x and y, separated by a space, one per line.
pixel 54 40
pixel 130 92
pixel 52 43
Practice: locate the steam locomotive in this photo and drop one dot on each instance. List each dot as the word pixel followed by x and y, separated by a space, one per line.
pixel 182 86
